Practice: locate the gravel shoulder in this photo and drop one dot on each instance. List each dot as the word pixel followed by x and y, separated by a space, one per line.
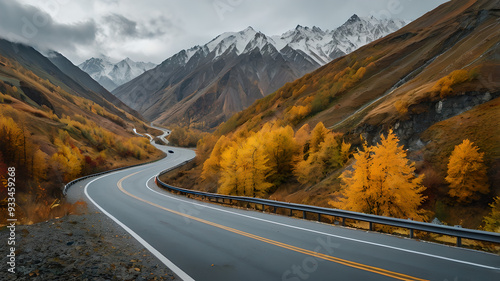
pixel 80 247
pixel 89 246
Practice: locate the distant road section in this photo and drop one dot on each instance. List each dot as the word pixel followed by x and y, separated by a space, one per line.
pixel 202 241
pixel 165 133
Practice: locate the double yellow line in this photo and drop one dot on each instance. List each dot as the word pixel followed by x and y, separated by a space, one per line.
pixel 364 267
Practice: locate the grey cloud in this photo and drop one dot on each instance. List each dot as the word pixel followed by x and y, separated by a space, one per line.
pixel 119 25
pixel 30 25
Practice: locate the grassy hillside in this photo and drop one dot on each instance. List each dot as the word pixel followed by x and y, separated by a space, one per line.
pixel 435 82
pixel 51 137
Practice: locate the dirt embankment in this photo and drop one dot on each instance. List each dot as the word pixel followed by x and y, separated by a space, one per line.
pixel 79 247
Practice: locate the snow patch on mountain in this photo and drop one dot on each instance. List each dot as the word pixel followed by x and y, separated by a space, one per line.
pixel 324 46
pixel 321 46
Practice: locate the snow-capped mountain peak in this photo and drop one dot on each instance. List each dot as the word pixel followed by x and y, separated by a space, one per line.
pixel 210 82
pixel 321 46
pixel 354 18
pixel 238 40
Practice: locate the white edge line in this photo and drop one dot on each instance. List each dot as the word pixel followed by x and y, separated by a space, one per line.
pixel 181 274
pixel 327 234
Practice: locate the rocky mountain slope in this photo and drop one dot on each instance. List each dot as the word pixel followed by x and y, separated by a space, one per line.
pixel 388 81
pixel 55 129
pixel 111 75
pixel 435 82
pixel 84 79
pixel 61 72
pixel 204 85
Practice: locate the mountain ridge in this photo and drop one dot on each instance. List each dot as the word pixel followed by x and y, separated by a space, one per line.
pixel 111 75
pixel 204 85
pixel 56 126
pixel 434 83
pixel 69 77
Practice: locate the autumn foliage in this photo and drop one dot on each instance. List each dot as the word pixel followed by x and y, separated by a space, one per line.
pixel 492 221
pixel 444 86
pixel 75 148
pixel 467 172
pixel 325 153
pixel 256 163
pixel 185 136
pixel 383 182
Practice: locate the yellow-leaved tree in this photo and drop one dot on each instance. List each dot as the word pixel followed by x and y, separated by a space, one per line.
pixel 68 160
pixel 383 182
pixel 324 155
pixel 318 135
pixel 253 168
pixel 492 221
pixel 243 166
pixel 211 166
pixel 228 183
pixel 280 148
pixel 467 172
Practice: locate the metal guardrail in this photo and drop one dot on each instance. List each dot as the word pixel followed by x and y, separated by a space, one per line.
pixel 69 184
pixel 371 219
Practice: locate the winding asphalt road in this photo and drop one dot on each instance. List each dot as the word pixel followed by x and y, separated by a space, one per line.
pixel 201 241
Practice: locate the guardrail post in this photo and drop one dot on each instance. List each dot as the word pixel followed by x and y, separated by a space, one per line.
pixel 343 221
pixel 459 241
pixel 304 215
pixel 291 212
pixel 371 226
pixel 263 208
pixel 319 217
pixel 411 233
pixel 274 209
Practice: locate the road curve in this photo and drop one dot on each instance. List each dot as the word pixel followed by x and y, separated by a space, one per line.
pixel 165 133
pixel 201 241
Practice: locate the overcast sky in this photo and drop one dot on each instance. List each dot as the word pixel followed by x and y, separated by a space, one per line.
pixel 154 30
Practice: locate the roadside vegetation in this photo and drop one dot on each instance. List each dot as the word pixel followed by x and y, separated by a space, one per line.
pixel 53 138
pixel 335 169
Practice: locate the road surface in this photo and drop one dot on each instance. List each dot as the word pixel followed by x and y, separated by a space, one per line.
pixel 201 241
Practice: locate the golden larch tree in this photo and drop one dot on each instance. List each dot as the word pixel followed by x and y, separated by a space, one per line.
pixel 302 135
pixel 211 166
pixel 321 161
pixel 467 172
pixel 492 221
pixel 318 135
pixel 345 151
pixel 253 168
pixel 228 182
pixel 68 160
pixel 280 148
pixel 383 182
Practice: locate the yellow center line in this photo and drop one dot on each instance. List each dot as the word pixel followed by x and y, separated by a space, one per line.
pixel 364 267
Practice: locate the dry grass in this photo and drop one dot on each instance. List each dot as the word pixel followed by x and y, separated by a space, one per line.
pixel 28 213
